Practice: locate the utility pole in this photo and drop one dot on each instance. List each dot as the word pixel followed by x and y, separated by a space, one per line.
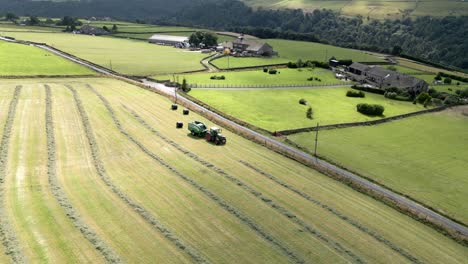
pixel 316 140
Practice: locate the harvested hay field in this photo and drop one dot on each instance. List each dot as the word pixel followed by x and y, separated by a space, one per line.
pixel 101 161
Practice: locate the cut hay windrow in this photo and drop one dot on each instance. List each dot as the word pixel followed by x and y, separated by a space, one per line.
pixel 337 213
pixel 99 165
pixel 7 235
pixel 289 215
pixel 107 252
pixel 218 200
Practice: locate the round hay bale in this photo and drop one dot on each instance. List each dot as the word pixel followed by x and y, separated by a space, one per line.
pixel 186 111
pixel 174 107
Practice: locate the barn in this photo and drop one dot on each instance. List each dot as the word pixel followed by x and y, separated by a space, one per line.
pixel 169 40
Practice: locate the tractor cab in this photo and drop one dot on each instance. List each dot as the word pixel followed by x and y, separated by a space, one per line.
pixel 215 136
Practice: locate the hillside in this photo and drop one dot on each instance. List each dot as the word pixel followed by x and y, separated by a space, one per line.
pixel 377 9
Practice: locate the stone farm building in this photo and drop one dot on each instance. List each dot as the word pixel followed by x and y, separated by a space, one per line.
pixel 249 47
pixel 169 40
pixel 384 79
pixel 90 30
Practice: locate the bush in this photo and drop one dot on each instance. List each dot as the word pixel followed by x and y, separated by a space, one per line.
pixel 352 93
pixel 265 70
pixel 422 97
pixel 214 77
pixel 370 109
pixel 310 113
pixel 447 80
pixel 222 77
pixel 437 102
pixel 310 78
pixel 272 71
pixel 451 100
pixel 303 101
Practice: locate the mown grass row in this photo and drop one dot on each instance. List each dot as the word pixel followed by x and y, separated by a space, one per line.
pixel 7 235
pixel 337 246
pixel 108 253
pixel 218 200
pixel 337 213
pixel 99 165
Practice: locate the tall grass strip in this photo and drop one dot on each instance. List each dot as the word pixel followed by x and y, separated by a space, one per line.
pixel 7 235
pixel 108 253
pixel 99 165
pixel 223 204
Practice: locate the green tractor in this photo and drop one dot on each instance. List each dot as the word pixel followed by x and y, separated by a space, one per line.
pixel 214 135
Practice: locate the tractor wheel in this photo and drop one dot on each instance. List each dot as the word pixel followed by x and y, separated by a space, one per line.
pixel 192 132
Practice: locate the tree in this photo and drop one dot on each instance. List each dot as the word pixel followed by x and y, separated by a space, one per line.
pixel 106 28
pixel 447 80
pixel 69 21
pixel 114 28
pixel 203 38
pixel 310 113
pixel 397 50
pixel 438 77
pixel 185 87
pixel 11 17
pixel 422 97
pixel 33 20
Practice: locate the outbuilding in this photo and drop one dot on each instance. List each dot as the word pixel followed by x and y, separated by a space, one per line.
pixel 170 40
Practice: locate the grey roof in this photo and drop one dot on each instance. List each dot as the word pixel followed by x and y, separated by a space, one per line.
pixel 252 45
pixel 394 79
pixel 87 29
pixel 159 37
pixel 359 66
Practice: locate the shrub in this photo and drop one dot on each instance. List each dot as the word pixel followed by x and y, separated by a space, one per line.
pixel 422 97
pixel 222 77
pixel 265 70
pixel 370 109
pixel 214 77
pixel 437 102
pixel 447 80
pixel 303 101
pixel 438 77
pixel 272 71
pixel 451 100
pixel 352 93
pixel 310 78
pixel 310 113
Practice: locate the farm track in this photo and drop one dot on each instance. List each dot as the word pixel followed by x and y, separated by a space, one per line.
pixel 108 253
pixel 289 215
pixel 223 204
pixel 335 212
pixel 7 235
pixel 101 171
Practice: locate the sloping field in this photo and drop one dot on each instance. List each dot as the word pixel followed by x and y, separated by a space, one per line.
pixel 130 57
pixel 377 9
pixel 274 109
pixel 424 157
pixel 22 60
pixel 104 162
pixel 290 50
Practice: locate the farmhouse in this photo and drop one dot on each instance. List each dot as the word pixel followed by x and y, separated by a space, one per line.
pixel 384 79
pixel 169 40
pixel 252 47
pixel 90 30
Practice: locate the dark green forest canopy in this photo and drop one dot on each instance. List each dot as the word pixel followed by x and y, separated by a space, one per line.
pixel 441 40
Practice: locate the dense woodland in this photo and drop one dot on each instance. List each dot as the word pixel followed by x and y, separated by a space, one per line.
pixel 441 40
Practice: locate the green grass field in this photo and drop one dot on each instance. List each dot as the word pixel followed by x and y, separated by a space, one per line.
pixel 22 60
pixel 377 9
pixel 289 50
pixel 130 57
pixel 208 212
pixel 280 109
pixel 424 157
pixel 258 77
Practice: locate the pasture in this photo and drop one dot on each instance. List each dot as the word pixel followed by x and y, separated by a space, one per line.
pixel 290 50
pixel 424 157
pixel 131 57
pixel 279 109
pixel 23 60
pixel 259 77
pixel 376 9
pixel 96 158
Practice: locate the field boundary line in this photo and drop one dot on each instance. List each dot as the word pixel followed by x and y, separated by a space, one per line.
pixel 106 251
pixel 7 234
pixel 223 204
pixel 101 170
pixel 280 209
pixel 335 212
